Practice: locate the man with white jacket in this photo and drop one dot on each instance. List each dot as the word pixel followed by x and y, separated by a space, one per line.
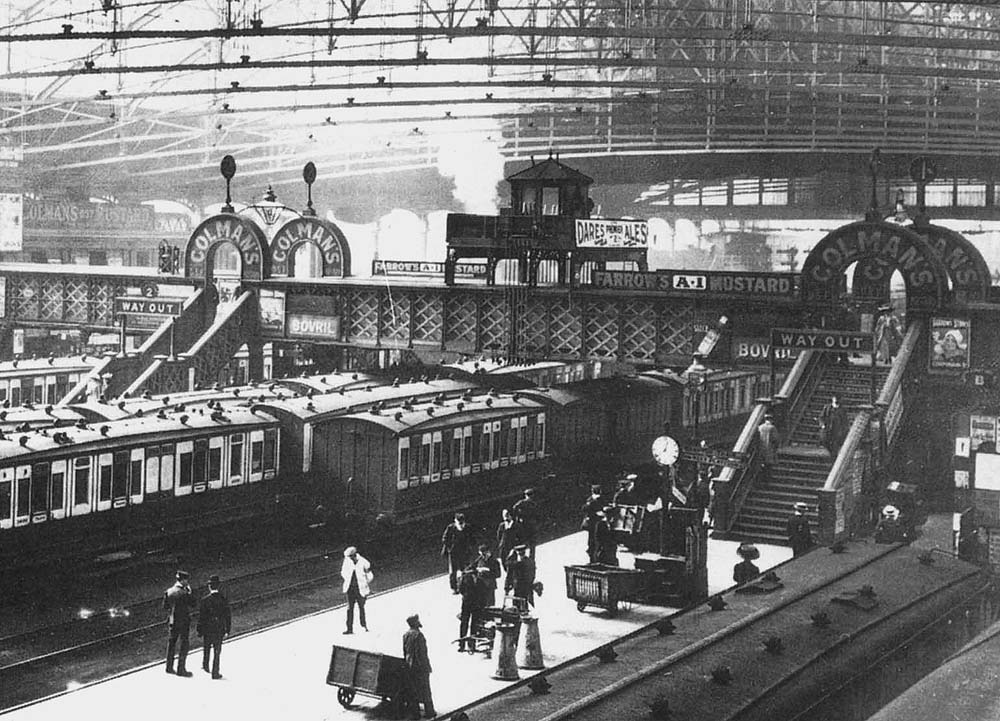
pixel 357 575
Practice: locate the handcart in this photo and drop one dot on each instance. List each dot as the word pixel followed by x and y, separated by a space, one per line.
pixel 375 674
pixel 596 584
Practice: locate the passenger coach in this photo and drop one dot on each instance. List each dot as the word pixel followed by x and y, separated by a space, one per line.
pixel 128 482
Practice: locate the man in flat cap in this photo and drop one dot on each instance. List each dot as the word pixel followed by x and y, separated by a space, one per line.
pixel 799 534
pixel 178 601
pixel 418 670
pixel 591 507
pixel 214 624
pixel 520 581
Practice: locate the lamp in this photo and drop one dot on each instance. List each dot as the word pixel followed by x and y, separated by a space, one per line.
pixel 694 376
pixel 269 209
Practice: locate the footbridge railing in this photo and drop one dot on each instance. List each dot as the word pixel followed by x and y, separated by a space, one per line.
pixel 846 500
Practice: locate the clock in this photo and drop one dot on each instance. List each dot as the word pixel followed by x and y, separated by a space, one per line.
pixel 665 450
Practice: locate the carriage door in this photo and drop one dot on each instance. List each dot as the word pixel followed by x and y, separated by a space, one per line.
pixel 256 456
pixel 119 482
pixel 6 498
pixel 22 496
pixel 135 467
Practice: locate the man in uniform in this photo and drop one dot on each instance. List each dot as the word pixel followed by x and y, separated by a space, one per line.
pixel 418 668
pixel 526 511
pixel 591 507
pixel 520 581
pixel 605 543
pixel 456 545
pixel 509 534
pixel 833 425
pixel 797 528
pixel 473 592
pixel 488 568
pixel 214 624
pixel 178 602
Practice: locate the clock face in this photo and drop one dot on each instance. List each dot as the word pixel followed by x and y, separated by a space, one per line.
pixel 665 450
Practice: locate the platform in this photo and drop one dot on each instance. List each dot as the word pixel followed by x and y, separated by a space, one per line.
pixel 280 673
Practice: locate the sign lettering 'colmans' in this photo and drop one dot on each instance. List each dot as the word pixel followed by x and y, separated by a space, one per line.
pixel 769 284
pixel 304 230
pixel 242 233
pixel 822 340
pixel 147 306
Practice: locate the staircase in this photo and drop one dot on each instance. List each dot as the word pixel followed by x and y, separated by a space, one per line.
pixel 803 464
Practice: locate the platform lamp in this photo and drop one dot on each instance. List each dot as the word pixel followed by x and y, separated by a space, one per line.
pixel 309 175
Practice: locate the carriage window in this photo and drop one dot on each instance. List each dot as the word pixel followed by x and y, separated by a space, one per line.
pixel 472 448
pixel 186 470
pixel 23 495
pixel 425 455
pixel 467 447
pixel 39 391
pixel 529 435
pixel 235 455
pixel 15 393
pixel 215 463
pixel 484 447
pixel 81 481
pixel 200 461
pixel 436 456
pixel 121 474
pixel 497 435
pixel 404 459
pixel 104 480
pixel 40 488
pixel 504 449
pixel 414 462
pixel 135 477
pixel 57 486
pixel 167 466
pixel 152 469
pixel 442 453
pixel 256 456
pixel 6 491
pixel 270 450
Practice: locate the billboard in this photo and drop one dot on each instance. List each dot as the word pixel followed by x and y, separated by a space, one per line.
pixel 605 233
pixel 950 342
pixel 11 222
pixel 272 310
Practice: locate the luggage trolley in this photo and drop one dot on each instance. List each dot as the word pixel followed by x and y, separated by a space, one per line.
pixel 597 584
pixel 374 674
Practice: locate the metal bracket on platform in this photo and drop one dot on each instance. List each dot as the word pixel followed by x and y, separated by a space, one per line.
pixel 606 654
pixel 774 645
pixel 665 627
pixel 838 547
pixel 820 619
pixel 722 675
pixel 716 603
pixel 539 685
pixel 659 708
pixel 864 598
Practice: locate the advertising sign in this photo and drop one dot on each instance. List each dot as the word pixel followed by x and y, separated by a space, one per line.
pixel 272 310
pixel 314 326
pixel 148 306
pixel 982 429
pixel 751 349
pixel 420 267
pixel 56 214
pixel 609 233
pixel 725 282
pixel 836 341
pixel 3 297
pixel 949 341
pixel 11 222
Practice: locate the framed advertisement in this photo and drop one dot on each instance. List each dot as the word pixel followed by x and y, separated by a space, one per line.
pixel 982 430
pixel 272 310
pixel 950 341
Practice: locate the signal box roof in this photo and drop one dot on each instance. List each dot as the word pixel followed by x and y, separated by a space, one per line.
pixel 551 170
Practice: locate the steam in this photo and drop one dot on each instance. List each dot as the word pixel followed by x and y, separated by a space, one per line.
pixel 476 166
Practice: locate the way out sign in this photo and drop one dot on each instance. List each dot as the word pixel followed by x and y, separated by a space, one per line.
pixel 834 341
pixel 136 305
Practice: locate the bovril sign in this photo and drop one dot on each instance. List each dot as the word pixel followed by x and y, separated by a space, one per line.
pixel 750 350
pixel 314 326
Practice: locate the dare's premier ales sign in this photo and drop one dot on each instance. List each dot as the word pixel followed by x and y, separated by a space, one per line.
pixel 609 233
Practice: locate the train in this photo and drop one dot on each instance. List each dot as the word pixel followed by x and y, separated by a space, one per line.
pixel 42 380
pixel 368 450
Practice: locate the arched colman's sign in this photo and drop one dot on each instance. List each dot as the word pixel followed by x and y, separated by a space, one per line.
pixel 923 271
pixel 250 242
pixel 970 276
pixel 327 237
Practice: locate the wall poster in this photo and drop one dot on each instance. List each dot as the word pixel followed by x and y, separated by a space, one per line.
pixel 950 342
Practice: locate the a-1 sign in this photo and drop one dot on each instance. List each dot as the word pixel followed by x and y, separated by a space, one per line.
pixel 137 305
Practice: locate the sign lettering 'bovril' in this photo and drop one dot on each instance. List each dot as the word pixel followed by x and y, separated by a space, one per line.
pixel 314 326
pixel 822 340
pixel 147 306
pixel 768 284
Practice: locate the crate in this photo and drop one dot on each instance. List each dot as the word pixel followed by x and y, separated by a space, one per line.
pixel 357 671
pixel 599 585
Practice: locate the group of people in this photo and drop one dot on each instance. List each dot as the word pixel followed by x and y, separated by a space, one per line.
pixel 214 624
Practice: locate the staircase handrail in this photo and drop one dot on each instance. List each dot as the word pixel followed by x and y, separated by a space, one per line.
pixel 164 374
pixel 120 367
pixel 889 400
pixel 848 461
pixel 738 480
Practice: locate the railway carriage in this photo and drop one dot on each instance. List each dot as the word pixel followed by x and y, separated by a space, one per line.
pixel 42 380
pixel 89 488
